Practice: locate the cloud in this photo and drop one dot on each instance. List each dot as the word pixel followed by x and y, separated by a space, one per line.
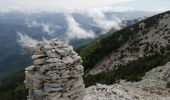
pixel 59 5
pixel 26 41
pixel 100 19
pixel 75 30
pixel 46 27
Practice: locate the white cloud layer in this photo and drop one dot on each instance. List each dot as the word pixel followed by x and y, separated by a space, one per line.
pixel 100 19
pixel 75 30
pixel 46 27
pixel 26 41
pixel 57 5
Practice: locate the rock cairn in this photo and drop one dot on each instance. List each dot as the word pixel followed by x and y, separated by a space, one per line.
pixel 56 73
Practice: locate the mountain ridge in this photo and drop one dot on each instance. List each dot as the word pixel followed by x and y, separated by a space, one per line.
pixel 128 39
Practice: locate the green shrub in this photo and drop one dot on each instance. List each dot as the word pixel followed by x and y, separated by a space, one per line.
pixel 13 88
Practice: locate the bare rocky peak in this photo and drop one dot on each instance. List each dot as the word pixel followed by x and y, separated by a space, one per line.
pixel 147 41
pixel 153 86
pixel 56 73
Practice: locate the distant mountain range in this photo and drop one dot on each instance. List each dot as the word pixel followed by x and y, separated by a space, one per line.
pixel 19 31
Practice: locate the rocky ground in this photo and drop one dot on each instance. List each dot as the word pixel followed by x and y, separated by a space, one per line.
pixel 152 87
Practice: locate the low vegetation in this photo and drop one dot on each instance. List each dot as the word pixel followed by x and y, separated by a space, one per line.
pixel 13 88
pixel 130 72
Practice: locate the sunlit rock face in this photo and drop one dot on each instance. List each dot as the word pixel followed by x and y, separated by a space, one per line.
pixel 56 73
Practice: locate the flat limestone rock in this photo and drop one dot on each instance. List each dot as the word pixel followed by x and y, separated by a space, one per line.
pixel 51 89
pixel 67 60
pixel 30 68
pixel 37 56
pixel 77 58
pixel 62 52
pixel 53 60
pixel 48 47
pixel 39 61
pixel 51 54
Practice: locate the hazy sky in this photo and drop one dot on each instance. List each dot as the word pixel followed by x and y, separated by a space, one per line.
pixel 60 5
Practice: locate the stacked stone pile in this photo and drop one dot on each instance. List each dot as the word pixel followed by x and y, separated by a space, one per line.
pixel 56 73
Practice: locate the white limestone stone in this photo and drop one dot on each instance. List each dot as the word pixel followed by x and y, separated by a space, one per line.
pixel 30 68
pixel 49 53
pixel 67 60
pixel 39 61
pixel 52 89
pixel 48 47
pixel 77 58
pixel 62 52
pixel 53 60
pixel 37 56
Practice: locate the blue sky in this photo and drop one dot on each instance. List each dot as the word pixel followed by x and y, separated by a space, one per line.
pixel 65 5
